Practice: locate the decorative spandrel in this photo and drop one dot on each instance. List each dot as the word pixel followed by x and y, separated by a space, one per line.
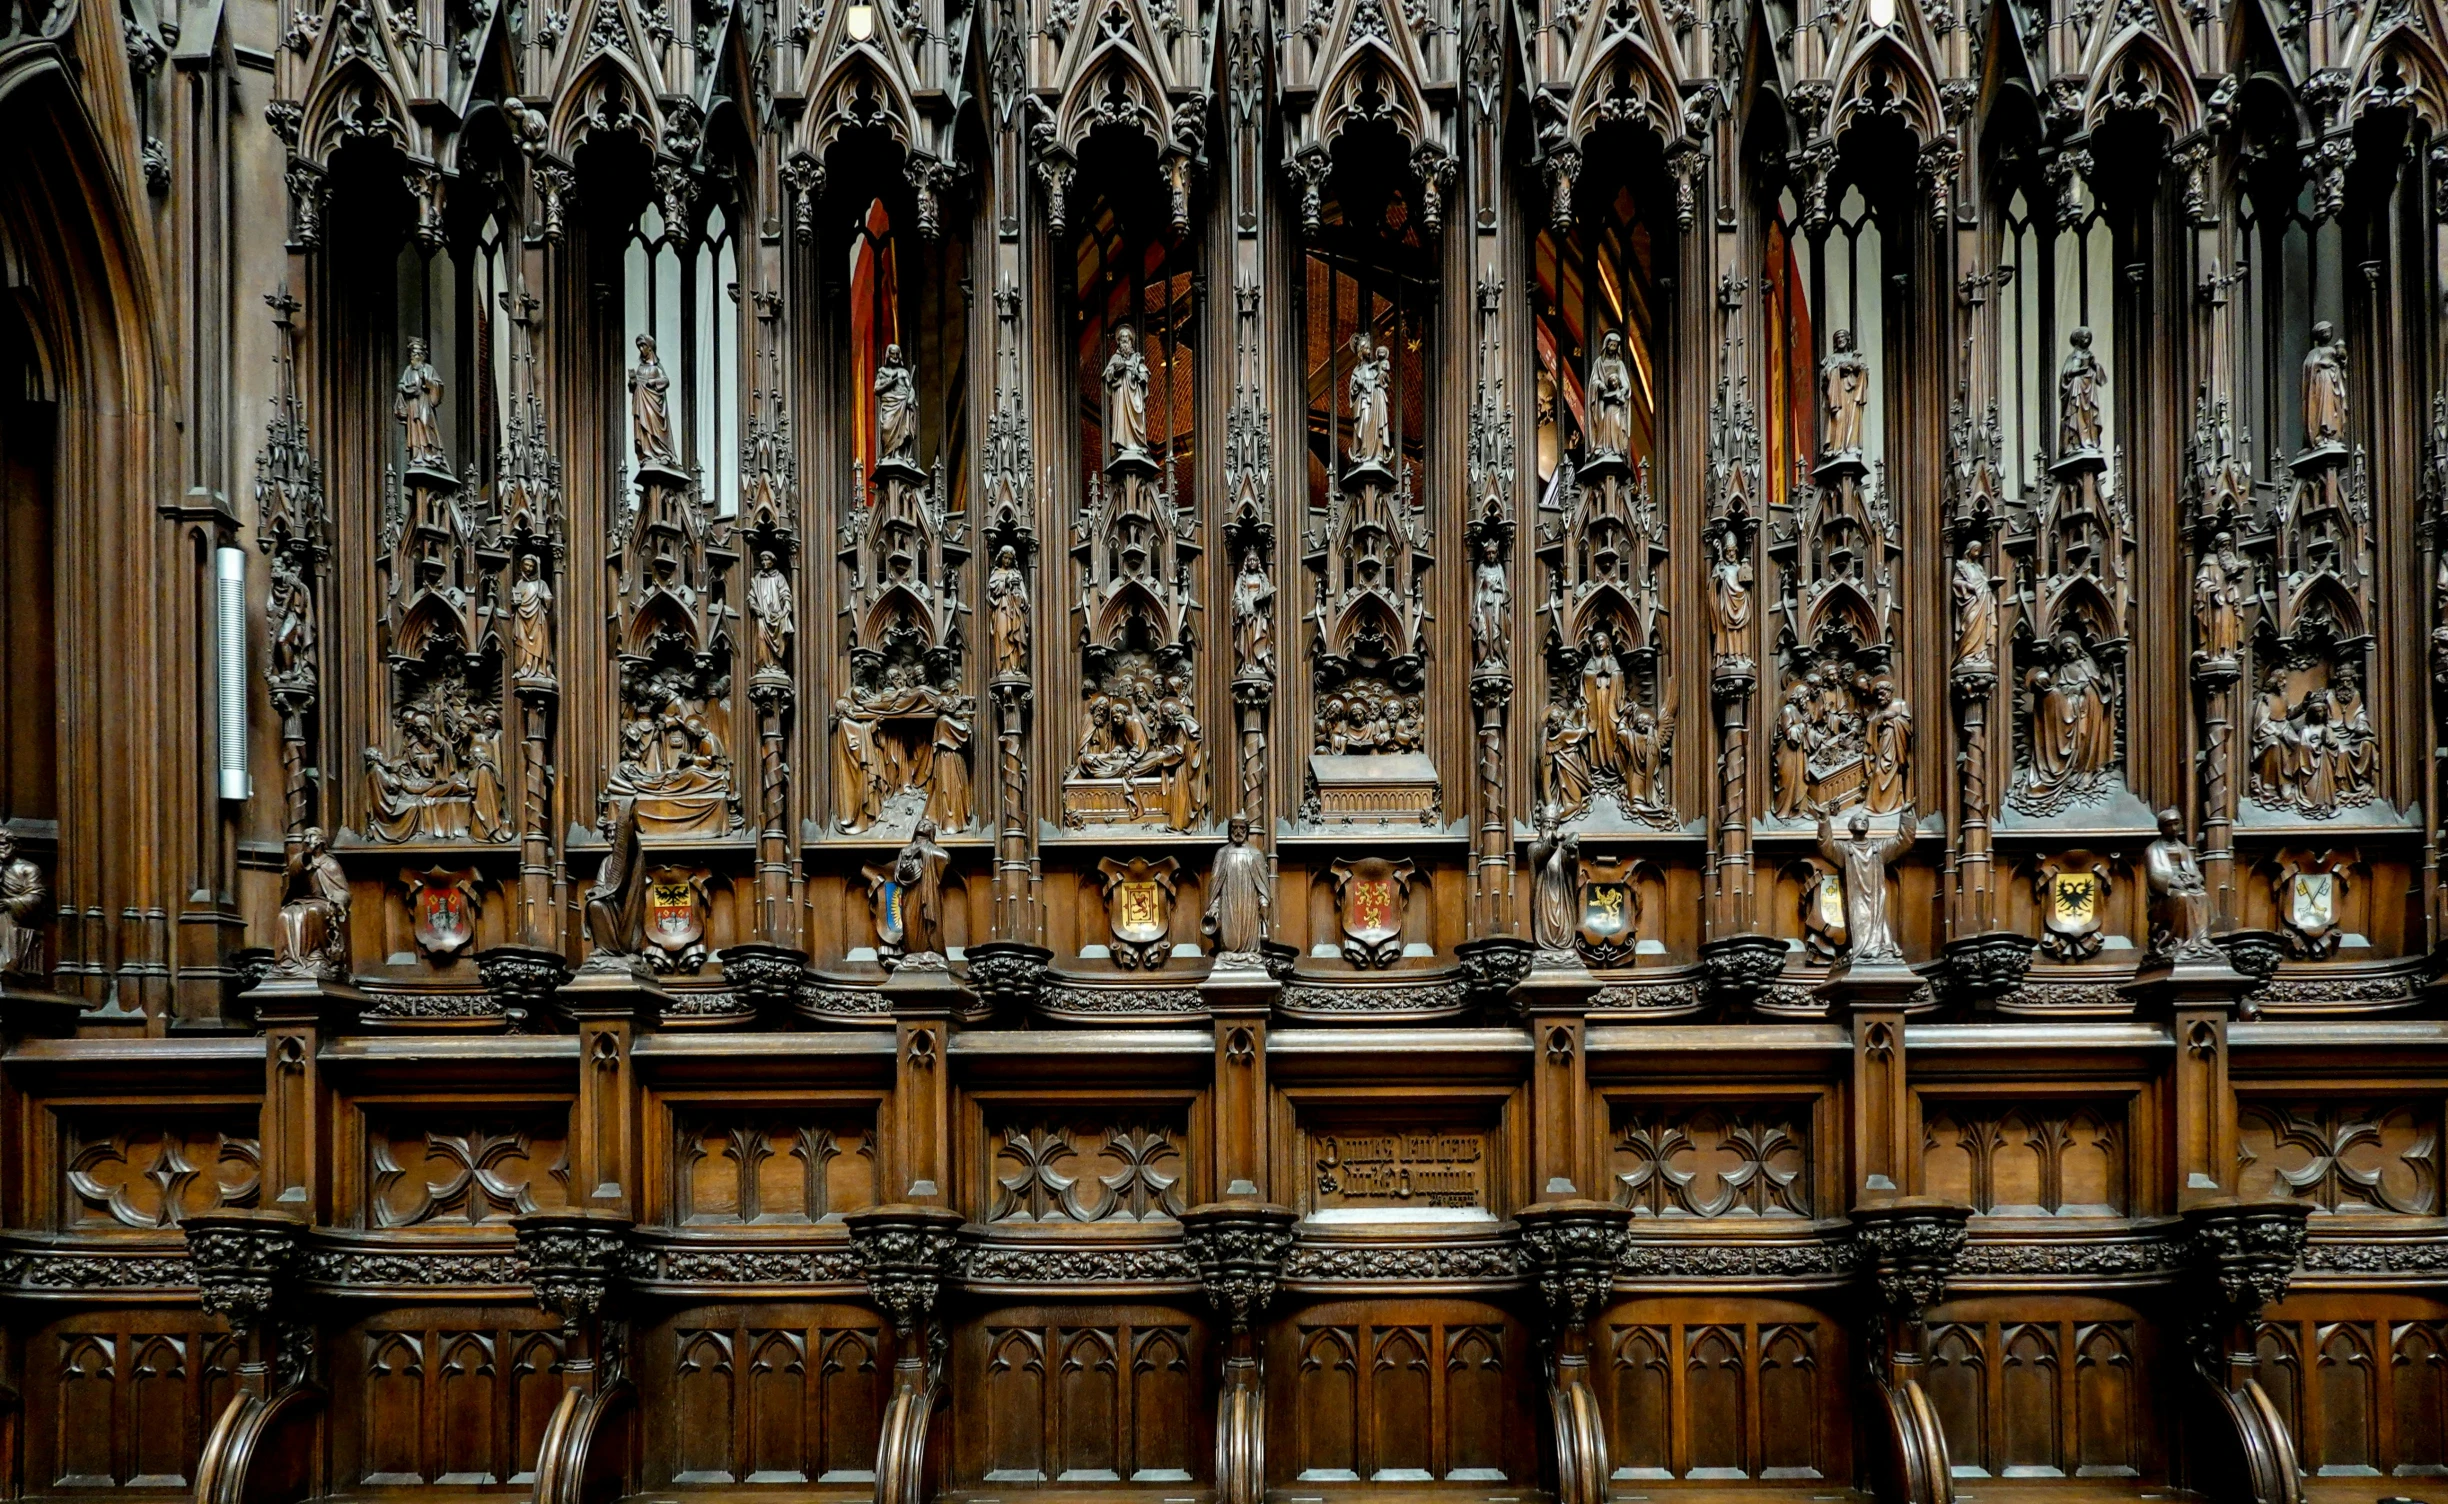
pixel 902 727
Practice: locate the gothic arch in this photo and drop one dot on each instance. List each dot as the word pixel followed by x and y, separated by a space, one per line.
pixel 1647 96
pixel 1883 77
pixel 2402 69
pixel 2139 72
pixel 353 102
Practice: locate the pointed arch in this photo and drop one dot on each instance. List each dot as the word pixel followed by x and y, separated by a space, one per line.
pixel 1885 78
pixel 609 93
pixel 1369 82
pixel 353 102
pixel 1625 80
pixel 860 90
pixel 2140 73
pixel 2402 68
pixel 1115 86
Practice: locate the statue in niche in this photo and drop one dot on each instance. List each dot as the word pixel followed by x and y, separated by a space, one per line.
pixel 1887 732
pixel 1555 899
pixel 1240 896
pixel 23 902
pixel 418 795
pixel 314 912
pixel 1602 701
pixel 1570 783
pixel 1791 780
pixel 858 767
pixel 896 410
pixel 531 601
pixel 673 767
pixel 1844 394
pixel 650 429
pixel 1126 397
pixel 1730 602
pixel 2079 380
pixel 1142 730
pixel 1007 598
pixel 2179 898
pixel 769 606
pixel 1372 414
pixel 615 903
pixel 1976 610
pixel 1863 860
pixel 2073 732
pixel 945 772
pixel 1491 602
pixel 416 405
pixel 909 922
pixel 2218 601
pixel 2324 390
pixel 289 623
pixel 1610 399
pixel 484 753
pixel 1253 620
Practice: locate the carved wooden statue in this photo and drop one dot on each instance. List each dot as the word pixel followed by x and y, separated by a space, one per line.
pixel 1240 896
pixel 23 902
pixel 1863 860
pixel 1491 600
pixel 1730 601
pixel 2324 390
pixel 2073 735
pixel 1007 598
pixel 2079 427
pixel 896 410
pixel 1372 414
pixel 531 630
pixel 650 429
pixel 616 904
pixel 769 605
pixel 1976 610
pixel 1888 734
pixel 1844 394
pixel 1555 861
pixel 289 619
pixel 2218 601
pixel 1126 396
pixel 1610 399
pixel 417 406
pixel 909 917
pixel 1253 620
pixel 2180 899
pixel 314 913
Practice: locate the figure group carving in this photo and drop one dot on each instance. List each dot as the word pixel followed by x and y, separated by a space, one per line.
pixel 2312 746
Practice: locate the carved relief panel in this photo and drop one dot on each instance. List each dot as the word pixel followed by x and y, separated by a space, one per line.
pixel 1420 1392
pixel 1109 1395
pixel 125 1400
pixel 1710 1160
pixel 1747 1389
pixel 2366 1158
pixel 1046 1169
pixel 424 1401
pixel 2363 1391
pixel 2029 1159
pixel 761 1168
pixel 788 1394
pixel 118 1173
pixel 2027 1389
pixel 466 1170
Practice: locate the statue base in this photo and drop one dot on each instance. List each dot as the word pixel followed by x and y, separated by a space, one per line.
pixel 611 987
pixel 1884 985
pixel 1240 986
pixel 37 1011
pixel 2189 982
pixel 297 998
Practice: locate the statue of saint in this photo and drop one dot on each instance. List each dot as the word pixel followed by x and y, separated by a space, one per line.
pixel 1555 899
pixel 1239 895
pixel 858 766
pixel 23 902
pixel 1253 620
pixel 650 430
pixel 1730 601
pixel 1126 396
pixel 1007 598
pixel 1975 609
pixel 616 903
pixel 1844 392
pixel 2072 733
pixel 485 775
pixel 1610 399
pixel 1791 784
pixel 1372 414
pixel 769 604
pixel 1864 861
pixel 314 912
pixel 2078 403
pixel 2218 601
pixel 1602 701
pixel 2179 899
pixel 896 415
pixel 1491 602
pixel 909 927
pixel 1887 732
pixel 531 600
pixel 289 623
pixel 1569 776
pixel 2324 390
pixel 416 406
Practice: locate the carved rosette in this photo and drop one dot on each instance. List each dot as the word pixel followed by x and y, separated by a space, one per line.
pixel 1493 966
pixel 2247 1250
pixel 574 1259
pixel 909 1254
pixel 1913 1243
pixel 522 978
pixel 1008 975
pixel 245 1261
pixel 1239 1248
pixel 765 976
pixel 1573 1246
pixel 1741 968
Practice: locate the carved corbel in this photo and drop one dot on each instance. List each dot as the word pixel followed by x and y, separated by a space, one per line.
pixel 575 1259
pixel 1688 161
pixel 1912 1244
pixel 1310 167
pixel 1563 173
pixel 1055 169
pixel 910 1253
pixel 1572 1248
pixel 804 176
pixel 1239 1248
pixel 2243 1254
pixel 1941 160
pixel 248 1265
pixel 557 187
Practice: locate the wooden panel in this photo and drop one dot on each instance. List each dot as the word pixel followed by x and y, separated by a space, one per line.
pixel 2357 1158
pixel 2021 1159
pixel 1707 1160
pixel 1399 1169
pixel 1399 1393
pixel 454 1169
pixel 1720 1389
pixel 139 1168
pixel 2042 1387
pixel 2362 1381
pixel 123 1400
pixel 445 1398
pixel 758 1168
pixel 1084 1396
pixel 1048 1169
pixel 786 1393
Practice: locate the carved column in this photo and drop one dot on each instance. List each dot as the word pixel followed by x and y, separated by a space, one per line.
pixel 1572 1246
pixel 293 1013
pixel 2199 997
pixel 1875 999
pixel 910 1253
pixel 924 1002
pixel 2243 1254
pixel 574 1259
pixel 1240 1000
pixel 247 1264
pixel 1556 1001
pixel 1911 1245
pixel 605 1152
pixel 1239 1249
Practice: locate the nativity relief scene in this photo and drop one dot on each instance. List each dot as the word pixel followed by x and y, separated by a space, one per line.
pixel 1223 750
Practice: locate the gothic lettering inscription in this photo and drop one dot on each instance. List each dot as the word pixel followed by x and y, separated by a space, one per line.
pixel 1401 1170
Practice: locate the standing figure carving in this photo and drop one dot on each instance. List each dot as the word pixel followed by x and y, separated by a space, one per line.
pixel 1844 392
pixel 484 754
pixel 769 604
pixel 1555 859
pixel 1253 621
pixel 289 622
pixel 1372 415
pixel 314 912
pixel 1126 396
pixel 1863 860
pixel 1007 598
pixel 23 902
pixel 1794 735
pixel 650 430
pixel 1610 399
pixel 1730 602
pixel 2079 428
pixel 896 414
pixel 1976 611
pixel 417 405
pixel 616 902
pixel 2324 390
pixel 1239 895
pixel 1491 602
pixel 909 923
pixel 2218 601
pixel 1888 734
pixel 2179 898
pixel 531 601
